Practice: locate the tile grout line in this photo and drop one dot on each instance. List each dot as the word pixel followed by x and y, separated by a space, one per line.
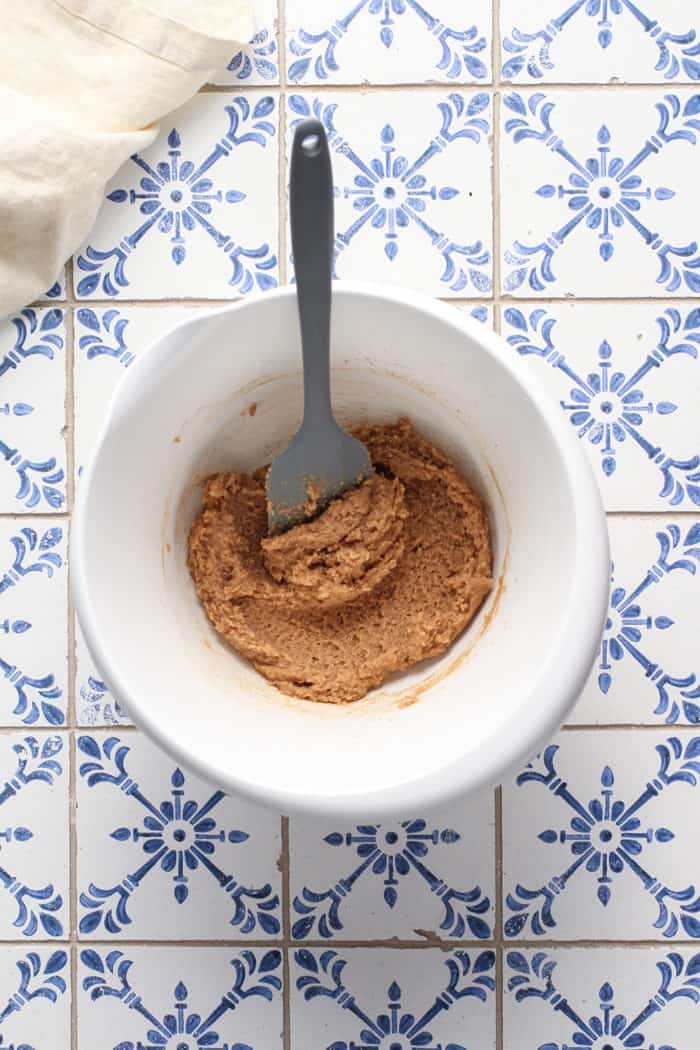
pixel 364 88
pixel 200 303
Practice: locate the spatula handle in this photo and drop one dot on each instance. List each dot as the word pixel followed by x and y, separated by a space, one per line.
pixel 311 208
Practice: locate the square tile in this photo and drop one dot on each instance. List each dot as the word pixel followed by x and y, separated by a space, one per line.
pixel 33 378
pixel 648 666
pixel 601 997
pixel 600 838
pixel 627 377
pixel 598 193
pixel 33 622
pixel 413 186
pixel 35 985
pixel 374 997
pixel 162 855
pixel 388 41
pixel 34 838
pixel 483 313
pixel 408 879
pixel 180 998
pixel 258 62
pixel 107 342
pixel 196 215
pixel 600 41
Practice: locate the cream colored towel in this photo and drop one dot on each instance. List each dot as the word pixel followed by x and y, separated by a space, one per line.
pixel 82 83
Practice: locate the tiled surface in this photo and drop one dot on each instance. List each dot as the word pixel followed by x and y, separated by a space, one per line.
pixel 362 997
pixel 180 998
pixel 412 176
pixel 388 41
pixel 560 911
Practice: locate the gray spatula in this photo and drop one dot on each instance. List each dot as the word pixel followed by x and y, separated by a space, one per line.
pixel 322 461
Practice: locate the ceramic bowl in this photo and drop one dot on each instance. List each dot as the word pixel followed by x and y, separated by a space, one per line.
pixel 223 391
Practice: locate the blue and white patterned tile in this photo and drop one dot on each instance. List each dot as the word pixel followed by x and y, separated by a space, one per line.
pixel 600 41
pixel 648 666
pixel 600 839
pixel 598 193
pixel 412 186
pixel 35 988
pixel 34 837
pixel 483 313
pixel 407 879
pixel 33 378
pixel 258 62
pixel 195 216
pixel 33 622
pixel 162 855
pixel 388 41
pixel 627 378
pixel 601 999
pixel 384 999
pixel 179 999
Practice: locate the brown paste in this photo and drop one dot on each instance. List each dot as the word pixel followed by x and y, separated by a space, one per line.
pixel 388 575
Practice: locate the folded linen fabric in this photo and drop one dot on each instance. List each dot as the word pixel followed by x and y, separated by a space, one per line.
pixel 82 85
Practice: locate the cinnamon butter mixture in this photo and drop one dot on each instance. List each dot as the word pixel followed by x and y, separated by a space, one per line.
pixel 389 574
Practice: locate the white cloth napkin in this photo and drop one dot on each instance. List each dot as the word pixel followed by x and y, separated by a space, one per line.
pixel 82 83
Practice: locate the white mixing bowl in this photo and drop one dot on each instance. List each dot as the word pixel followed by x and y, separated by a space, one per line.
pixel 223 391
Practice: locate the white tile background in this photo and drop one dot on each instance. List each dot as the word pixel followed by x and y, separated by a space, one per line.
pixel 393 78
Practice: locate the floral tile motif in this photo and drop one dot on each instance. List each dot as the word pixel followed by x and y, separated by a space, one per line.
pixel 600 841
pixel 34 837
pixel 174 859
pixel 597 41
pixel 648 669
pixel 258 62
pixel 196 214
pixel 627 378
pixel 407 879
pixel 388 41
pixel 413 195
pixel 378 999
pixel 482 314
pixel 33 622
pixel 180 999
pixel 593 998
pixel 34 985
pixel 32 447
pixel 598 193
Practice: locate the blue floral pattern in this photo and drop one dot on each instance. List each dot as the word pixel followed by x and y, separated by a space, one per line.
pixel 314 57
pixel 606 837
pixel 628 628
pixel 531 977
pixel 41 482
pixel 390 192
pixel 39 908
pixel 608 407
pixel 41 977
pixel 33 554
pixel 259 58
pixel 105 335
pixel 178 836
pixel 678 53
pixel 107 974
pixel 321 975
pixel 605 192
pixel 391 853
pixel 178 199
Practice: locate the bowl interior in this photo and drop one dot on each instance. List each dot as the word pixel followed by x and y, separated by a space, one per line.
pixel 224 392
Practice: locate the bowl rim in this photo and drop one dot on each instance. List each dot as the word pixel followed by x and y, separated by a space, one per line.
pixel 550 697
